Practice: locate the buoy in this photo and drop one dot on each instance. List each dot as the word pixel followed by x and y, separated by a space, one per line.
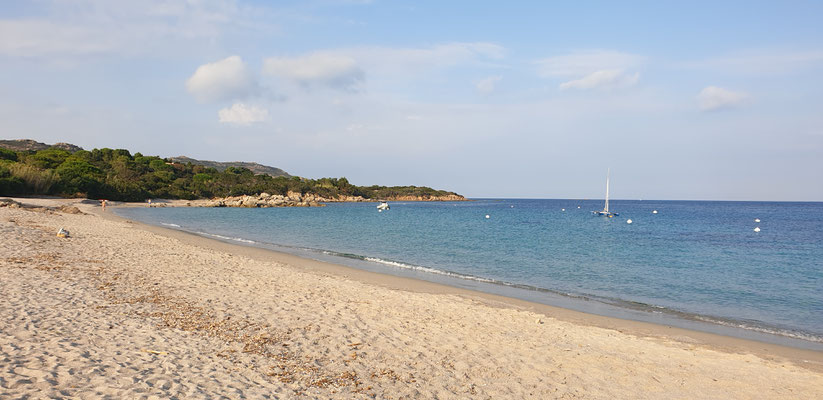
pixel 562 209
pixel 578 206
pixel 487 216
pixel 757 220
pixel 629 221
pixel 654 212
pixel 757 229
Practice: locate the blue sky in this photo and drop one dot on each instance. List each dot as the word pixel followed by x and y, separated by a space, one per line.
pixel 490 99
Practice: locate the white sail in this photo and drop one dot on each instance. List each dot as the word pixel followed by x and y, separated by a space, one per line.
pixel 606 209
pixel 606 212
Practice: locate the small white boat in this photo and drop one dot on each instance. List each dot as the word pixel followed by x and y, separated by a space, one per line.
pixel 383 206
pixel 606 212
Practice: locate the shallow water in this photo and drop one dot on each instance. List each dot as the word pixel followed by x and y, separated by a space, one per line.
pixel 693 260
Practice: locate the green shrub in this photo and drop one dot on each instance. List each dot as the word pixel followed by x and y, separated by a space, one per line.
pixel 6 154
pixel 48 159
pixel 78 176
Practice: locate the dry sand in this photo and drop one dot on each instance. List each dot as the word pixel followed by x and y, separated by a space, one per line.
pixel 122 310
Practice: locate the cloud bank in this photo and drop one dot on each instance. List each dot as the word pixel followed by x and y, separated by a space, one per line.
pixel 322 68
pixel 77 30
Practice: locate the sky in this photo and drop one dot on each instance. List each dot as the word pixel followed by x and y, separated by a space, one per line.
pixel 530 99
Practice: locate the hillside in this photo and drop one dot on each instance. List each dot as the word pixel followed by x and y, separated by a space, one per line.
pixel 67 170
pixel 222 166
pixel 33 145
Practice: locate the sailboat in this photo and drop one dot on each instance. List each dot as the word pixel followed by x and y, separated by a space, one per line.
pixel 606 212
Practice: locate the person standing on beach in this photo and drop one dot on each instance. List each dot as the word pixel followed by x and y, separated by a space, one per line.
pixel 103 204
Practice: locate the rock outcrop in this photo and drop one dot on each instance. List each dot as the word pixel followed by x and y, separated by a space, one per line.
pixel 33 145
pixel 450 197
pixel 264 200
pixel 295 199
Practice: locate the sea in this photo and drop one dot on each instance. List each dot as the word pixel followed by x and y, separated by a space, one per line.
pixel 745 269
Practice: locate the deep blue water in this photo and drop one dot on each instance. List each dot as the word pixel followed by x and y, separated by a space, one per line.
pixel 693 260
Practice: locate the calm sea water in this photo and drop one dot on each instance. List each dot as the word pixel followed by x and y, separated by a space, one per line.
pixel 700 263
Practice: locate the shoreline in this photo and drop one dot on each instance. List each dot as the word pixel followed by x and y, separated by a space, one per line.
pixel 717 341
pixel 125 309
pixel 617 309
pixel 588 305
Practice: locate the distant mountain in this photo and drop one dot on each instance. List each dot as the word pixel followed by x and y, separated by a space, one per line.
pixel 28 144
pixel 221 166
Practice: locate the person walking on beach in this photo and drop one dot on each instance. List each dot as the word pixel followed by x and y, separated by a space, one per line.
pixel 103 204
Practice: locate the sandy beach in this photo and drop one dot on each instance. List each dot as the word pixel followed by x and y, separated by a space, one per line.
pixel 124 310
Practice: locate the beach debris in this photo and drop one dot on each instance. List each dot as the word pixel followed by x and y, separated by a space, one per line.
pixel 654 211
pixel 538 321
pixel 9 203
pixel 487 216
pixel 629 221
pixel 62 233
pixel 162 353
pixel 757 229
pixel 757 220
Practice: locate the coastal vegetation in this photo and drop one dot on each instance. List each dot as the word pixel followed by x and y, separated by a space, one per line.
pixel 119 175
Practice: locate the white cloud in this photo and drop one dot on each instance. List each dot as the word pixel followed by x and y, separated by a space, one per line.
pixel 487 85
pixel 592 69
pixel 227 79
pixel 602 79
pixel 243 114
pixel 713 98
pixel 329 69
pixel 584 63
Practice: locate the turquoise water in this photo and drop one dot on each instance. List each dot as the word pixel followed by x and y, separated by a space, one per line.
pixel 699 262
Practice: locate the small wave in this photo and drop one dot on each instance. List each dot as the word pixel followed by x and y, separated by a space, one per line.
pixel 762 329
pixel 651 308
pixel 171 225
pixel 236 239
pixel 430 270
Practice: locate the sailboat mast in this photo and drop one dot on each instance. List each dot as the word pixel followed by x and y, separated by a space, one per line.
pixel 608 172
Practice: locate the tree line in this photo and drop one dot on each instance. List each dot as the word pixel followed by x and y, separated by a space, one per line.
pixel 116 174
